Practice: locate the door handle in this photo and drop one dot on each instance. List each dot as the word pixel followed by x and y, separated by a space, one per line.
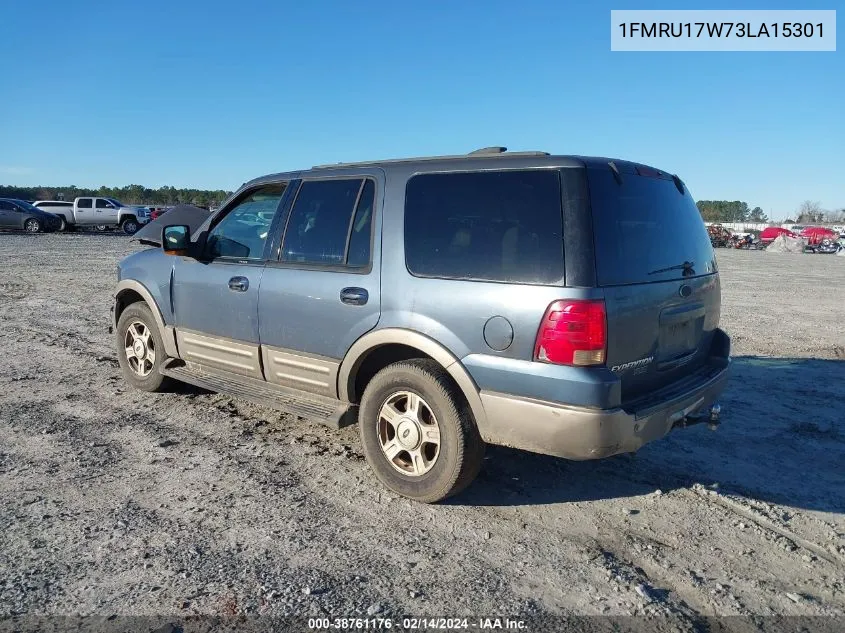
pixel 354 296
pixel 239 284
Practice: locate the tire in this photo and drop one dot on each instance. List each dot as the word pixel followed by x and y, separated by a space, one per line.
pixel 62 224
pixel 429 473
pixel 149 378
pixel 130 226
pixel 101 228
pixel 32 226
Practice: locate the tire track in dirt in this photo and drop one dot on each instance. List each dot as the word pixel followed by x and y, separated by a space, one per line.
pixel 744 510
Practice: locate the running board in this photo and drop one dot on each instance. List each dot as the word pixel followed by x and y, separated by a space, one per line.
pixel 328 411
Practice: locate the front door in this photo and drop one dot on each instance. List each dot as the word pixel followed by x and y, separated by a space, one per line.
pixel 323 293
pixel 105 212
pixel 215 298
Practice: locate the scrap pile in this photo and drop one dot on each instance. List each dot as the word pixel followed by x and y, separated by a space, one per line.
pixel 785 243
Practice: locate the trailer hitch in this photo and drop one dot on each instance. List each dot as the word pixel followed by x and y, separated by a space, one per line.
pixel 709 417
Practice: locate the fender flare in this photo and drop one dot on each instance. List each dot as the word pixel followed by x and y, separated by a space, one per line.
pixel 167 333
pixel 359 350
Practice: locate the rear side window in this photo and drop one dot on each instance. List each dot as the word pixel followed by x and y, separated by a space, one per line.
pixel 495 226
pixel 84 203
pixel 646 230
pixel 321 219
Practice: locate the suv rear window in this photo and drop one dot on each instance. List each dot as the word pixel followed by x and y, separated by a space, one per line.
pixel 493 225
pixel 646 230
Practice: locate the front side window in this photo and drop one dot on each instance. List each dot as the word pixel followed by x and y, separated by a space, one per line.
pixel 104 204
pixel 494 225
pixel 321 219
pixel 84 203
pixel 242 233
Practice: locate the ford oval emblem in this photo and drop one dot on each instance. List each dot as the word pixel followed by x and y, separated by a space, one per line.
pixel 685 291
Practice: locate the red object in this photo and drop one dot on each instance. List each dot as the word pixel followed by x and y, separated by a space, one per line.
pixel 815 234
pixel 573 332
pixel 156 212
pixel 770 233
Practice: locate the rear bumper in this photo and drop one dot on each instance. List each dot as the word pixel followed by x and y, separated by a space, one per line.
pixel 581 433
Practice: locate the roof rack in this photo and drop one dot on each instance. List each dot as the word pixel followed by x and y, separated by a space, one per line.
pixel 484 152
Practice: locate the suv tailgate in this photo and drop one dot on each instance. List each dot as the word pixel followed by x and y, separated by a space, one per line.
pixel 658 271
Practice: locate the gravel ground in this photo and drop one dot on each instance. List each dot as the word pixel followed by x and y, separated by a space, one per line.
pixel 122 502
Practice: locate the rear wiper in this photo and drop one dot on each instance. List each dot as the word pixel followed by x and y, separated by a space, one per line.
pixel 686 266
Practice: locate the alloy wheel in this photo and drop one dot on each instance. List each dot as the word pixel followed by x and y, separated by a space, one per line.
pixel 139 348
pixel 408 433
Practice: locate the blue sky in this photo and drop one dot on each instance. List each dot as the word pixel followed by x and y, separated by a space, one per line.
pixel 210 94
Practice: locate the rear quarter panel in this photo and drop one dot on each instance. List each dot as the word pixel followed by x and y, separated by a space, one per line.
pixel 454 314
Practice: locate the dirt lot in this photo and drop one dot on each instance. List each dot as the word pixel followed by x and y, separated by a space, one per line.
pixel 122 502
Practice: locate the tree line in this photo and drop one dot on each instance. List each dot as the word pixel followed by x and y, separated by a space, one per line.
pixel 726 211
pixel 130 194
pixel 736 211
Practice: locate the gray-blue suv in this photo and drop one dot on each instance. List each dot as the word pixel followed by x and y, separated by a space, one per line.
pixel 564 305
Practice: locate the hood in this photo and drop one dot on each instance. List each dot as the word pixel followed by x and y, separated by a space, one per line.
pixel 193 217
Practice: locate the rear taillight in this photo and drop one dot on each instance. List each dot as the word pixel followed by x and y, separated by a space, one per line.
pixel 573 332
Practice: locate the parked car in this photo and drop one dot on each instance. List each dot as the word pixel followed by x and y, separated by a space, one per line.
pixel 768 235
pixel 557 304
pixel 155 212
pixel 99 213
pixel 815 234
pixel 19 214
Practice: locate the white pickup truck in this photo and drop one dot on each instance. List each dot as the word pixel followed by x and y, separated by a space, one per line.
pixel 99 213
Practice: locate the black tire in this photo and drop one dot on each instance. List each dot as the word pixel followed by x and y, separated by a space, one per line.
pixel 154 381
pixel 461 449
pixel 32 226
pixel 101 228
pixel 130 225
pixel 62 223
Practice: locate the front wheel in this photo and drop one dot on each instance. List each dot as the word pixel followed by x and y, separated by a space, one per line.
pixel 418 433
pixel 130 226
pixel 140 350
pixel 101 228
pixel 32 226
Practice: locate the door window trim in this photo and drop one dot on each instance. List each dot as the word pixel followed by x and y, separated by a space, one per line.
pixel 337 268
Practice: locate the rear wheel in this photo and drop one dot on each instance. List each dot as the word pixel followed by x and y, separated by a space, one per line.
pixel 100 228
pixel 140 350
pixel 62 224
pixel 32 225
pixel 418 433
pixel 130 226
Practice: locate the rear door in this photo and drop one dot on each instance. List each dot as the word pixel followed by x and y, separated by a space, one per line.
pixel 84 211
pixel 8 215
pixel 323 292
pixel 658 271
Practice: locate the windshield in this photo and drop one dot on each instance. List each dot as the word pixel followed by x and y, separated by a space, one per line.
pixel 646 230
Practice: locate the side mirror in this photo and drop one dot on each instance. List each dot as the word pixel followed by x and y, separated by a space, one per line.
pixel 176 239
